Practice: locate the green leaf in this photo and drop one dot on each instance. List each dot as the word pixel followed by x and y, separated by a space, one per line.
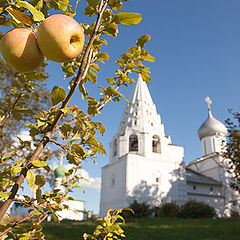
pixel 19 16
pixel 65 131
pixel 91 77
pixel 31 179
pixel 15 170
pixel 95 67
pixel 5 195
pixel 39 194
pixel 38 163
pixel 143 39
pixel 23 110
pixel 111 29
pixel 78 150
pixel 73 159
pixel 37 15
pixel 127 18
pixel 115 4
pixel 89 11
pixel 40 181
pixel 59 4
pixel 103 56
pixel 58 95
pixel 111 80
pixel 148 58
pixel 101 128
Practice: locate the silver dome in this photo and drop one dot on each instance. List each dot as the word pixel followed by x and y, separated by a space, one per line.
pixel 211 126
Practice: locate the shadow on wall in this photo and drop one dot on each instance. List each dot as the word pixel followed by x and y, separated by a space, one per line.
pixel 154 195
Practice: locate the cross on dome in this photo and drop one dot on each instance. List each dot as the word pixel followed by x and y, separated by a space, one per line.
pixel 208 101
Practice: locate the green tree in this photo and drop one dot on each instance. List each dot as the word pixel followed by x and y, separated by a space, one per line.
pixel 71 129
pixel 232 152
pixel 22 97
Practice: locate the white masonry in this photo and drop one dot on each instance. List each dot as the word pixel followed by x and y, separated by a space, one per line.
pixel 146 166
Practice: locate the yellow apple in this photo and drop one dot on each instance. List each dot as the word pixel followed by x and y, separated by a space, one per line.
pixel 60 38
pixel 20 50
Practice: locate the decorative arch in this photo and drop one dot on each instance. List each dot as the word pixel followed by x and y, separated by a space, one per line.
pixel 133 143
pixel 156 147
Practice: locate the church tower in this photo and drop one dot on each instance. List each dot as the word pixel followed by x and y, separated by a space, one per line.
pixel 212 133
pixel 208 177
pixel 144 164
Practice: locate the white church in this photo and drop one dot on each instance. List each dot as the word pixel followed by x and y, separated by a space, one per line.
pixel 146 166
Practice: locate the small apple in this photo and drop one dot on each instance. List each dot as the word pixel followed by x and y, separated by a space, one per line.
pixel 20 50
pixel 60 38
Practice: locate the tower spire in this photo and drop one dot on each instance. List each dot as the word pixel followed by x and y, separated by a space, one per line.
pixel 140 113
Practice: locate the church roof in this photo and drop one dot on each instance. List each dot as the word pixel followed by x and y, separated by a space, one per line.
pixel 195 177
pixel 140 113
pixel 211 126
pixel 59 172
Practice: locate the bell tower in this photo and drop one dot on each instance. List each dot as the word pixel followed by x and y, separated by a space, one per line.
pixel 144 164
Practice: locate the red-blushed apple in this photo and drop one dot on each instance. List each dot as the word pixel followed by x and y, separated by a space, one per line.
pixel 20 50
pixel 60 38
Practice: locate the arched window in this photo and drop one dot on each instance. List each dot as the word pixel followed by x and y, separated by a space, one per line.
pixel 156 144
pixel 133 143
pixel 115 147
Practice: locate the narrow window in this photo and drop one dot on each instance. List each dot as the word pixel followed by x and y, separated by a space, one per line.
pixel 214 149
pixel 156 144
pixel 113 181
pixel 204 147
pixel 133 143
pixel 115 147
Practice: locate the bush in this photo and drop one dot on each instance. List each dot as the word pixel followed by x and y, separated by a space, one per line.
pixel 141 210
pixel 169 209
pixel 193 209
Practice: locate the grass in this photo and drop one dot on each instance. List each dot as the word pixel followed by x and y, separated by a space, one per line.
pixel 154 229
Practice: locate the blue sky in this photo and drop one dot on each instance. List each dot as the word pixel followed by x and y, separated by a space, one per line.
pixel 197 49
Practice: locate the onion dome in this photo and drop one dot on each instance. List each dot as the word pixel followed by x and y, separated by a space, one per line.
pixel 211 126
pixel 59 172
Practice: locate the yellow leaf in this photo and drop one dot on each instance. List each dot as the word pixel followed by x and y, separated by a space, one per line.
pixel 20 17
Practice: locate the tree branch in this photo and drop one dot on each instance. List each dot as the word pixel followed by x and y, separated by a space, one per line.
pixel 11 109
pixel 17 223
pixel 59 144
pixel 80 76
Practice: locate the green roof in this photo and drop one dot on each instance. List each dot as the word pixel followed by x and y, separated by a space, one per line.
pixel 59 172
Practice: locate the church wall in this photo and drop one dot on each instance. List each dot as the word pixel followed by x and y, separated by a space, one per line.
pixel 216 202
pixel 175 153
pixel 212 195
pixel 113 186
pixel 153 180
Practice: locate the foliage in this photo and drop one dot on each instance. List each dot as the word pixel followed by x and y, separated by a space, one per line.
pixel 169 209
pixel 109 227
pixel 232 152
pixel 140 210
pixel 22 97
pixel 194 209
pixel 72 129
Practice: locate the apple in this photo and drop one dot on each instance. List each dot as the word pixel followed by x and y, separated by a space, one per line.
pixel 20 50
pixel 60 38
